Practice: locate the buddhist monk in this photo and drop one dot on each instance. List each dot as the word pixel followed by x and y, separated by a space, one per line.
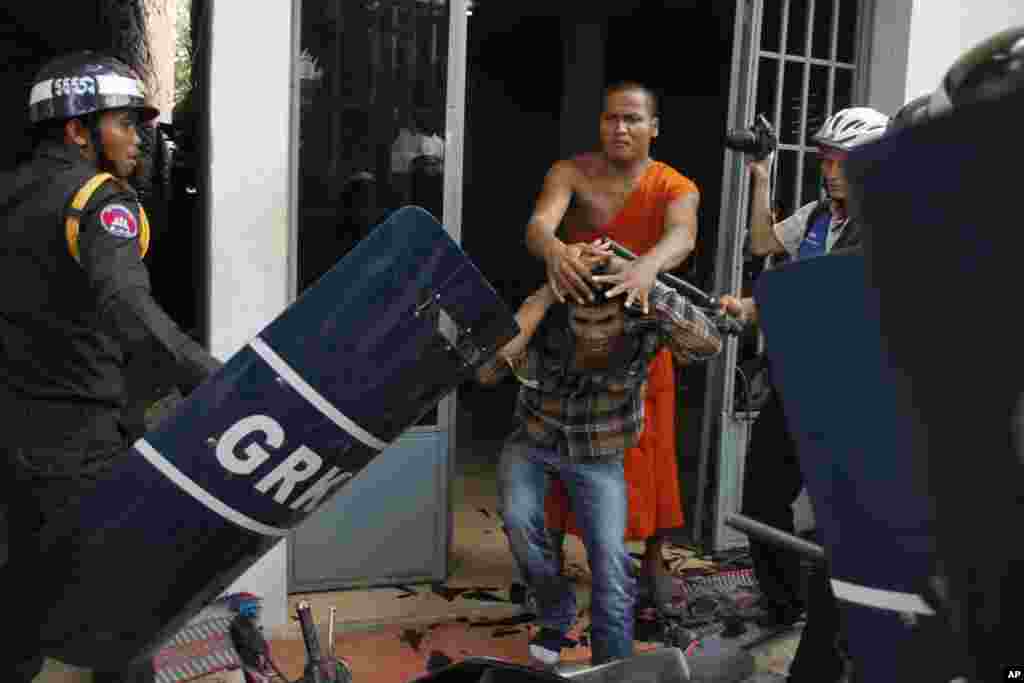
pixel 622 193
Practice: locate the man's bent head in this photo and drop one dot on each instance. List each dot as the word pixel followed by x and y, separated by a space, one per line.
pixel 596 326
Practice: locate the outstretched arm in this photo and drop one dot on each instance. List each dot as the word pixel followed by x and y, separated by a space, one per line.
pixel 680 237
pixel 529 317
pixel 567 271
pixel 674 247
pixel 689 334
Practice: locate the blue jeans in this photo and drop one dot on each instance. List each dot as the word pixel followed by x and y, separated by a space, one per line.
pixel 597 492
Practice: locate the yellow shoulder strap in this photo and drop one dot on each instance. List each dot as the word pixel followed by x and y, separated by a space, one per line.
pixel 74 218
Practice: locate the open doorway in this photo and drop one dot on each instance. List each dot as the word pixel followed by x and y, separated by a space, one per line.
pixel 525 112
pixel 512 137
pixel 534 80
pixel 684 52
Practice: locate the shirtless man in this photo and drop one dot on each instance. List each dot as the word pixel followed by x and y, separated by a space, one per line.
pixel 601 185
pixel 648 207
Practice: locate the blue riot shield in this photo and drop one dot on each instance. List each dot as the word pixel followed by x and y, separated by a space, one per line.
pixel 851 425
pixel 940 203
pixel 291 418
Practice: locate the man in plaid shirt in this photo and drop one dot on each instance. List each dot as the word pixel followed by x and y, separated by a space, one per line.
pixel 583 373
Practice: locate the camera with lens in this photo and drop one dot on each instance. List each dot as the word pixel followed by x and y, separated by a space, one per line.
pixel 757 141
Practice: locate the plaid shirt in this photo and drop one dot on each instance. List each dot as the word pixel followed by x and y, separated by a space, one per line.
pixel 598 414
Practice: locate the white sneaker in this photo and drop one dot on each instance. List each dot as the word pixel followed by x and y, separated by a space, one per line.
pixel 546 647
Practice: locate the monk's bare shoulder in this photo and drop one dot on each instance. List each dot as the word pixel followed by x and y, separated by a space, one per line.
pixel 564 175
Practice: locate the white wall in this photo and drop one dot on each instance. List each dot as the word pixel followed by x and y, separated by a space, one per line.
pixel 250 183
pixel 887 66
pixel 916 41
pixel 942 30
pixel 160 25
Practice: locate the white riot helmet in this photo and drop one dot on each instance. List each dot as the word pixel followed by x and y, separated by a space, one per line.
pixel 849 128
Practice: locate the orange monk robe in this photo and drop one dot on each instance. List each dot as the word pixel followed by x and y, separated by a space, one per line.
pixel 651 469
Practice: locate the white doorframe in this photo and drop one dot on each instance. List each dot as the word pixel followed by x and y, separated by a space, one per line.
pixel 249 194
pixel 455 132
pixel 293 160
pixel 728 258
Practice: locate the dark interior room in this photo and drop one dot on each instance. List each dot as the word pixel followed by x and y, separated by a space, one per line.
pixel 516 127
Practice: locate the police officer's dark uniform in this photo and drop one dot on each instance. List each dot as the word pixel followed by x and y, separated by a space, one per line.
pixel 75 303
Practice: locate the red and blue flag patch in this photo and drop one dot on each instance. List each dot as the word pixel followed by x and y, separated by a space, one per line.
pixel 119 221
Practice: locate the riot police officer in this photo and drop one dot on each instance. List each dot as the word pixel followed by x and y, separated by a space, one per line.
pixel 972 465
pixel 75 304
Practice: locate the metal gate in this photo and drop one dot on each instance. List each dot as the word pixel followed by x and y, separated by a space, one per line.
pixel 795 61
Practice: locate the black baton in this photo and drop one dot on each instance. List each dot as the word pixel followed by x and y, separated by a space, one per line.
pixel 769 534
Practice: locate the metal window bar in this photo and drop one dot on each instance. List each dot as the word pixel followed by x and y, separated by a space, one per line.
pixel 801 147
pixel 798 182
pixel 807 60
pixel 833 53
pixel 779 82
pixel 813 60
pixel 782 57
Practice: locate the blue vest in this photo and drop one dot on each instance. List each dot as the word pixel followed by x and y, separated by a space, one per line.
pixel 815 241
pixel 816 238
